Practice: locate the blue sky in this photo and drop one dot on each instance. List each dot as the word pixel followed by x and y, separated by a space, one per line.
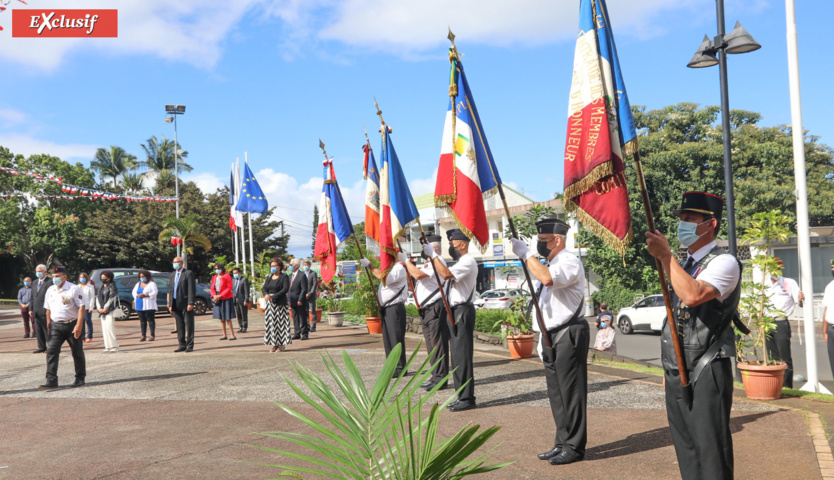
pixel 271 77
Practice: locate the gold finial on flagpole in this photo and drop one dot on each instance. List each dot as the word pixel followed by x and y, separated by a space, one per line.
pixel 378 111
pixel 368 140
pixel 321 146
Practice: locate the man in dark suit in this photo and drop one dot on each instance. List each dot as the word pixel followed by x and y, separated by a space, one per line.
pixel 240 288
pixel 312 289
pixel 298 300
pixel 181 290
pixel 38 310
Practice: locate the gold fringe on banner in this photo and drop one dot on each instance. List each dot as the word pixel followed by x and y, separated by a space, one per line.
pixel 629 148
pixel 465 230
pixel 589 222
pixel 586 183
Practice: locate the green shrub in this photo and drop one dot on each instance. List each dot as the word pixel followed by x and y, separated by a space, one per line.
pixel 412 311
pixel 616 297
pixel 485 320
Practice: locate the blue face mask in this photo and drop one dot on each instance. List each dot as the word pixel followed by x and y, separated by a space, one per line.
pixel 686 232
pixel 603 324
pixel 176 266
pixel 143 279
pixel 289 269
pixel 57 280
pixel 237 275
pixel 26 284
pixel 39 274
pixel 82 280
pixel 305 268
pixel 273 269
pixel 217 271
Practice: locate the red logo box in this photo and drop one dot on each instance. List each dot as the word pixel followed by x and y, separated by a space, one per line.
pixel 65 23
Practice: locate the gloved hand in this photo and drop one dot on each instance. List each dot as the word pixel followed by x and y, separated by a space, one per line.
pixel 401 256
pixel 365 262
pixel 429 251
pixel 520 249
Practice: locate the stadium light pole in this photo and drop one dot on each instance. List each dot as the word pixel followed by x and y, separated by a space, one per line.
pixel 174 111
pixel 737 41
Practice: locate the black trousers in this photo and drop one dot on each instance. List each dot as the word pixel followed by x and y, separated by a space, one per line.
pixel 300 319
pixel 185 327
pixel 147 318
pixel 312 308
pixel 242 314
pixel 393 331
pixel 830 346
pixel 702 438
pixel 58 334
pixel 461 344
pixel 41 330
pixel 779 347
pixel 436 334
pixel 567 387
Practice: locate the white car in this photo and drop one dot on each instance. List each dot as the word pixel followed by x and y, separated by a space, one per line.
pixel 647 314
pixel 501 299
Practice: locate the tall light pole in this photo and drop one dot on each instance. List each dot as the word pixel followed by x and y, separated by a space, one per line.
pixel 174 111
pixel 738 41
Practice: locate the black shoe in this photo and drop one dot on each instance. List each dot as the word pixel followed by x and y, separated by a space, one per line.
pixel 239 330
pixel 27 335
pixel 305 337
pixel 312 329
pixel 187 350
pixel 296 337
pixel 49 386
pixel 428 385
pixel 173 331
pixel 550 453
pixel 181 349
pixel 77 383
pixel 223 338
pixel 460 407
pixel 243 330
pixel 39 351
pixel 565 457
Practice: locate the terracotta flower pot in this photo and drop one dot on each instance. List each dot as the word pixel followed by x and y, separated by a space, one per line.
pixel 521 346
pixel 763 382
pixel 317 318
pixel 374 325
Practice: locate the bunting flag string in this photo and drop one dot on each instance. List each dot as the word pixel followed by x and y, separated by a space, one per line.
pixel 79 192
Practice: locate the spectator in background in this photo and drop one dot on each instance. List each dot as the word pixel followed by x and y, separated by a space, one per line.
pixel 24 299
pixel 298 300
pixel 277 316
pixel 107 300
pixel 606 340
pixel 827 323
pixel 37 309
pixel 785 296
pixel 240 289
pixel 223 298
pixel 89 291
pixel 312 292
pixel 182 288
pixel 604 315
pixel 144 302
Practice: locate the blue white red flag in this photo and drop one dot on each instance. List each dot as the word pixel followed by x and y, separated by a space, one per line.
pixel 371 174
pixel 467 173
pixel 600 132
pixel 397 208
pixel 334 223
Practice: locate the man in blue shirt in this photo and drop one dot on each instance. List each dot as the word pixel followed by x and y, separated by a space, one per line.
pixel 24 299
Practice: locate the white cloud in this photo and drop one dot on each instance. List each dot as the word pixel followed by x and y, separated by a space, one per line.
pixel 24 144
pixel 207 182
pixel 422 186
pixel 12 118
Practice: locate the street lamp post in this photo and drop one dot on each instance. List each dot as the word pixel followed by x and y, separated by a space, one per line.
pixel 174 111
pixel 738 41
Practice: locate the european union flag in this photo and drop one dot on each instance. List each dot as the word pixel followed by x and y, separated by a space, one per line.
pixel 252 198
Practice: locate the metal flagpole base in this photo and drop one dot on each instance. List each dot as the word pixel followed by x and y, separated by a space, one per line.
pixel 818 388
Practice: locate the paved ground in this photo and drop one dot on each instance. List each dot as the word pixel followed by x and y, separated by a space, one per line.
pixel 147 412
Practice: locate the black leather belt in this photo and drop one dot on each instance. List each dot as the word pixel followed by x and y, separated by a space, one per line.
pixel 572 321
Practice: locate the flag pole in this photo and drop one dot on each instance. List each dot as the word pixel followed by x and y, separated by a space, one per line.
pixel 242 227
pixel 407 276
pixel 453 92
pixel 251 242
pixel 358 247
pixel 233 214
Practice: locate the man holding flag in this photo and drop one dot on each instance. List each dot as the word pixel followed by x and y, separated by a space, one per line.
pixel 397 212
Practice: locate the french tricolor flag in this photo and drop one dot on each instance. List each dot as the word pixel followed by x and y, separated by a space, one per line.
pixel 467 172
pixel 334 226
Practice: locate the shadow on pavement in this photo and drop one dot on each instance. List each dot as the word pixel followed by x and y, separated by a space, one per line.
pixel 492 363
pixel 110 382
pixel 657 438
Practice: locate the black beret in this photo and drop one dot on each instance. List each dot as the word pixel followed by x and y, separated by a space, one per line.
pixel 552 225
pixel 701 202
pixel 456 234
pixel 60 270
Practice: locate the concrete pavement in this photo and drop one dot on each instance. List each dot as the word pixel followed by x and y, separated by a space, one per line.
pixel 150 413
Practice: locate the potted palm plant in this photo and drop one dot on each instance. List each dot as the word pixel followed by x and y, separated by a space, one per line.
pixel 365 295
pixel 762 376
pixel 516 329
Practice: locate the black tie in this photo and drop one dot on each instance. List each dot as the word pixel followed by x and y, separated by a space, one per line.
pixel 689 262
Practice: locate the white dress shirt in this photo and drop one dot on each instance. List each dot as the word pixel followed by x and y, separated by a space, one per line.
pixel 462 288
pixel 89 292
pixel 394 290
pixel 63 302
pixel 425 286
pixel 722 272
pixel 783 295
pixel 560 301
pixel 828 303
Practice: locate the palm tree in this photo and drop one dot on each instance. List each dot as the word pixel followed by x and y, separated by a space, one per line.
pixel 187 229
pixel 133 182
pixel 160 156
pixel 113 163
